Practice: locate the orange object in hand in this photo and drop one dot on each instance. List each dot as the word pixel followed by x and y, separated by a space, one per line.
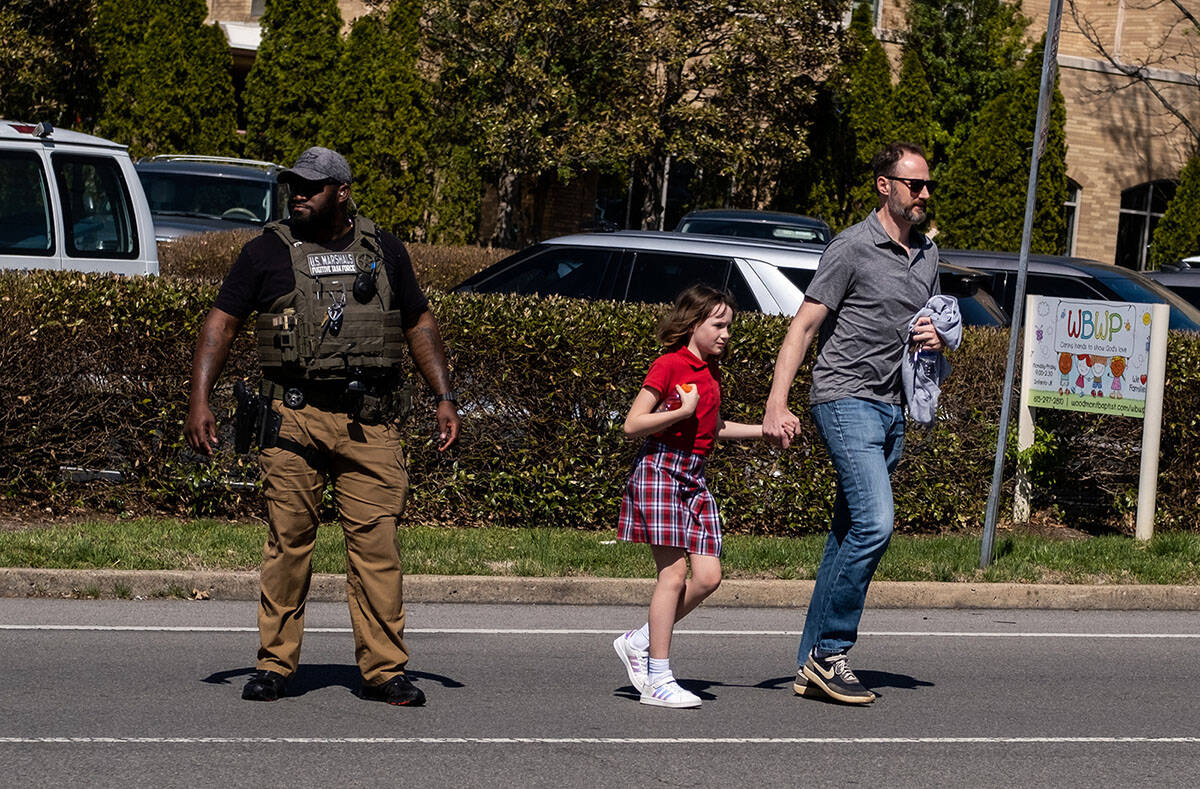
pixel 673 400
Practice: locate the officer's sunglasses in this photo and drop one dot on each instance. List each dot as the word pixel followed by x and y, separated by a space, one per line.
pixel 915 185
pixel 301 186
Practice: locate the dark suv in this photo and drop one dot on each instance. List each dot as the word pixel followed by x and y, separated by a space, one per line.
pixel 1073 278
pixel 200 194
pixel 1183 278
pixel 766 225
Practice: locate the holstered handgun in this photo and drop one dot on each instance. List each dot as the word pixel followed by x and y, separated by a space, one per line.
pixel 254 421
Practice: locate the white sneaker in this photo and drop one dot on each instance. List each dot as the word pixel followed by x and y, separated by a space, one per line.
pixel 635 660
pixel 665 692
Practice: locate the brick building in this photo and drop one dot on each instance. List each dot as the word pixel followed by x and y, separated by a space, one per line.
pixel 1124 151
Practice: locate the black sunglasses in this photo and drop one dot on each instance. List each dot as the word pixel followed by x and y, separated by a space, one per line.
pixel 305 187
pixel 915 184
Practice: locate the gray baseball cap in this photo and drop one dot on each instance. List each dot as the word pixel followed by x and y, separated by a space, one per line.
pixel 320 164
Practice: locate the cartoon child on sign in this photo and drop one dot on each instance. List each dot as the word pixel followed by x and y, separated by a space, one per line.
pixel 1099 366
pixel 1117 367
pixel 1064 373
pixel 1081 368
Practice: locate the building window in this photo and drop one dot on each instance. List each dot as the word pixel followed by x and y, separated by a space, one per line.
pixel 257 8
pixel 1071 208
pixel 1141 208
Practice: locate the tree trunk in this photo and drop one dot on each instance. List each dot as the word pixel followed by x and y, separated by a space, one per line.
pixel 651 178
pixel 508 203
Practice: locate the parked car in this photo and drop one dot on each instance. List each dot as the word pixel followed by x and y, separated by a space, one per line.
pixel 645 266
pixel 770 225
pixel 1184 281
pixel 200 194
pixel 71 201
pixel 1073 278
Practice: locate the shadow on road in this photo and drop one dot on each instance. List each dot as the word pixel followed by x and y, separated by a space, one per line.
pixel 325 675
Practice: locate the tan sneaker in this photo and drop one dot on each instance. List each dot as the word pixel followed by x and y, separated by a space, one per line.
pixel 833 676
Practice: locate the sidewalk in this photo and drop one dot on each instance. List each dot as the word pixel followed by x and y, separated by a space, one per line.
pixel 218 585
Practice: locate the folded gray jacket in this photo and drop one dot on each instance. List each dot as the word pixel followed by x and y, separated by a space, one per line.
pixel 924 372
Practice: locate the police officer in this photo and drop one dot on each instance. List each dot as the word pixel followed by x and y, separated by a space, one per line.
pixel 336 298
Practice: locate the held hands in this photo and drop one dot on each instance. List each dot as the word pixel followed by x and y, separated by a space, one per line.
pixel 924 337
pixel 779 426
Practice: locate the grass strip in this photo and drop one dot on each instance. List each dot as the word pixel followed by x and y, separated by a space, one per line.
pixel 160 544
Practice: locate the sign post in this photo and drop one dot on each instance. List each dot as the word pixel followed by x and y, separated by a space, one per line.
pixel 1100 357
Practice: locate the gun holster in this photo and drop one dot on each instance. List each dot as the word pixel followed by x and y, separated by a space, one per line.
pixel 254 421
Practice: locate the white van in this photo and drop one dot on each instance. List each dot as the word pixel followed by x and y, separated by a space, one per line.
pixel 71 201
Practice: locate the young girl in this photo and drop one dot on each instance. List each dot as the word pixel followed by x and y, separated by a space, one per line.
pixel 667 502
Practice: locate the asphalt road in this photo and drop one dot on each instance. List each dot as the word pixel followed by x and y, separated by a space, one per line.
pixel 147 693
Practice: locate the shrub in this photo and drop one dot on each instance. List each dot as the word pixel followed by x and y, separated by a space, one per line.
pixel 97 377
pixel 208 256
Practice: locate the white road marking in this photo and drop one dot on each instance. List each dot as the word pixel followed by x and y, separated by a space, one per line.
pixel 501 631
pixel 594 740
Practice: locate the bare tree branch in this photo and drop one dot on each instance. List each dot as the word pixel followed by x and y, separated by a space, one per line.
pixel 1140 71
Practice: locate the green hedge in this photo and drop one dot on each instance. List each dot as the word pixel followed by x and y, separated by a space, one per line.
pixel 96 375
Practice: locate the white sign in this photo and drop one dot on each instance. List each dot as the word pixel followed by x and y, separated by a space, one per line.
pixel 1099 356
pixel 1090 355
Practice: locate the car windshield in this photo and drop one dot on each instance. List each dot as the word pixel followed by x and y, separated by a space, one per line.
pixel 767 230
pixel 198 195
pixel 1142 289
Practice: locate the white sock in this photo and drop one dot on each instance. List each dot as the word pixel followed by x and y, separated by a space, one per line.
pixel 640 639
pixel 658 667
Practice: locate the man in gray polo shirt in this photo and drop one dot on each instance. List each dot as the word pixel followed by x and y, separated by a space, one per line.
pixel 872 279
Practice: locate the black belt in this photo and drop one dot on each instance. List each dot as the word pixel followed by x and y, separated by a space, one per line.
pixel 332 396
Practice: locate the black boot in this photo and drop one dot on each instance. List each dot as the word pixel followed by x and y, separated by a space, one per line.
pixel 265 686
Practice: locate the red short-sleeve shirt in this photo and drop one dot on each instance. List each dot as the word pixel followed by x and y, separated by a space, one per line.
pixel 696 433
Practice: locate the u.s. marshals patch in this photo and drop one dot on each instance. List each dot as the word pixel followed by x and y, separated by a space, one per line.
pixel 322 263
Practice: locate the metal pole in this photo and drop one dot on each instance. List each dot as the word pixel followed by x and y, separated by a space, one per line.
pixel 662 218
pixel 1045 96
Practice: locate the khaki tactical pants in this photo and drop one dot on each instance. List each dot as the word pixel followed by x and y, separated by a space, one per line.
pixel 367 467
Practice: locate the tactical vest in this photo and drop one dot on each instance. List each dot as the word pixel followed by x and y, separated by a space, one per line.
pixel 321 331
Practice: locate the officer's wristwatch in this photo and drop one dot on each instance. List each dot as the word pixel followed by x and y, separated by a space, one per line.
pixel 447 397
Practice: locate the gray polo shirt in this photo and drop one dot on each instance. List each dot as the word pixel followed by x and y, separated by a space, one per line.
pixel 872 288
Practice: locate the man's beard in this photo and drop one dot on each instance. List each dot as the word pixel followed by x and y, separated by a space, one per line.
pixel 314 220
pixel 913 214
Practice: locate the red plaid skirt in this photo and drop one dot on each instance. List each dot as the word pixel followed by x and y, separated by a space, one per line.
pixel 667 502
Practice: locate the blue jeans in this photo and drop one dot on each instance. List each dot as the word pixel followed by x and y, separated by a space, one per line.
pixel 864 439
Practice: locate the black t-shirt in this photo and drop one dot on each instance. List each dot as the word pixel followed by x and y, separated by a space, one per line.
pixel 263 272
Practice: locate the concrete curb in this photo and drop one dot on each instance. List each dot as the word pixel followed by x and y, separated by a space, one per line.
pixel 224 585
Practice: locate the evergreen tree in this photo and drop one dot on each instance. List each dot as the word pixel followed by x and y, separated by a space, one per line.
pixel 912 103
pixel 289 88
pixel 379 118
pixel 168 77
pixel 452 213
pixel 982 202
pixel 856 121
pixel 47 62
pixel 1178 233
pixel 969 50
